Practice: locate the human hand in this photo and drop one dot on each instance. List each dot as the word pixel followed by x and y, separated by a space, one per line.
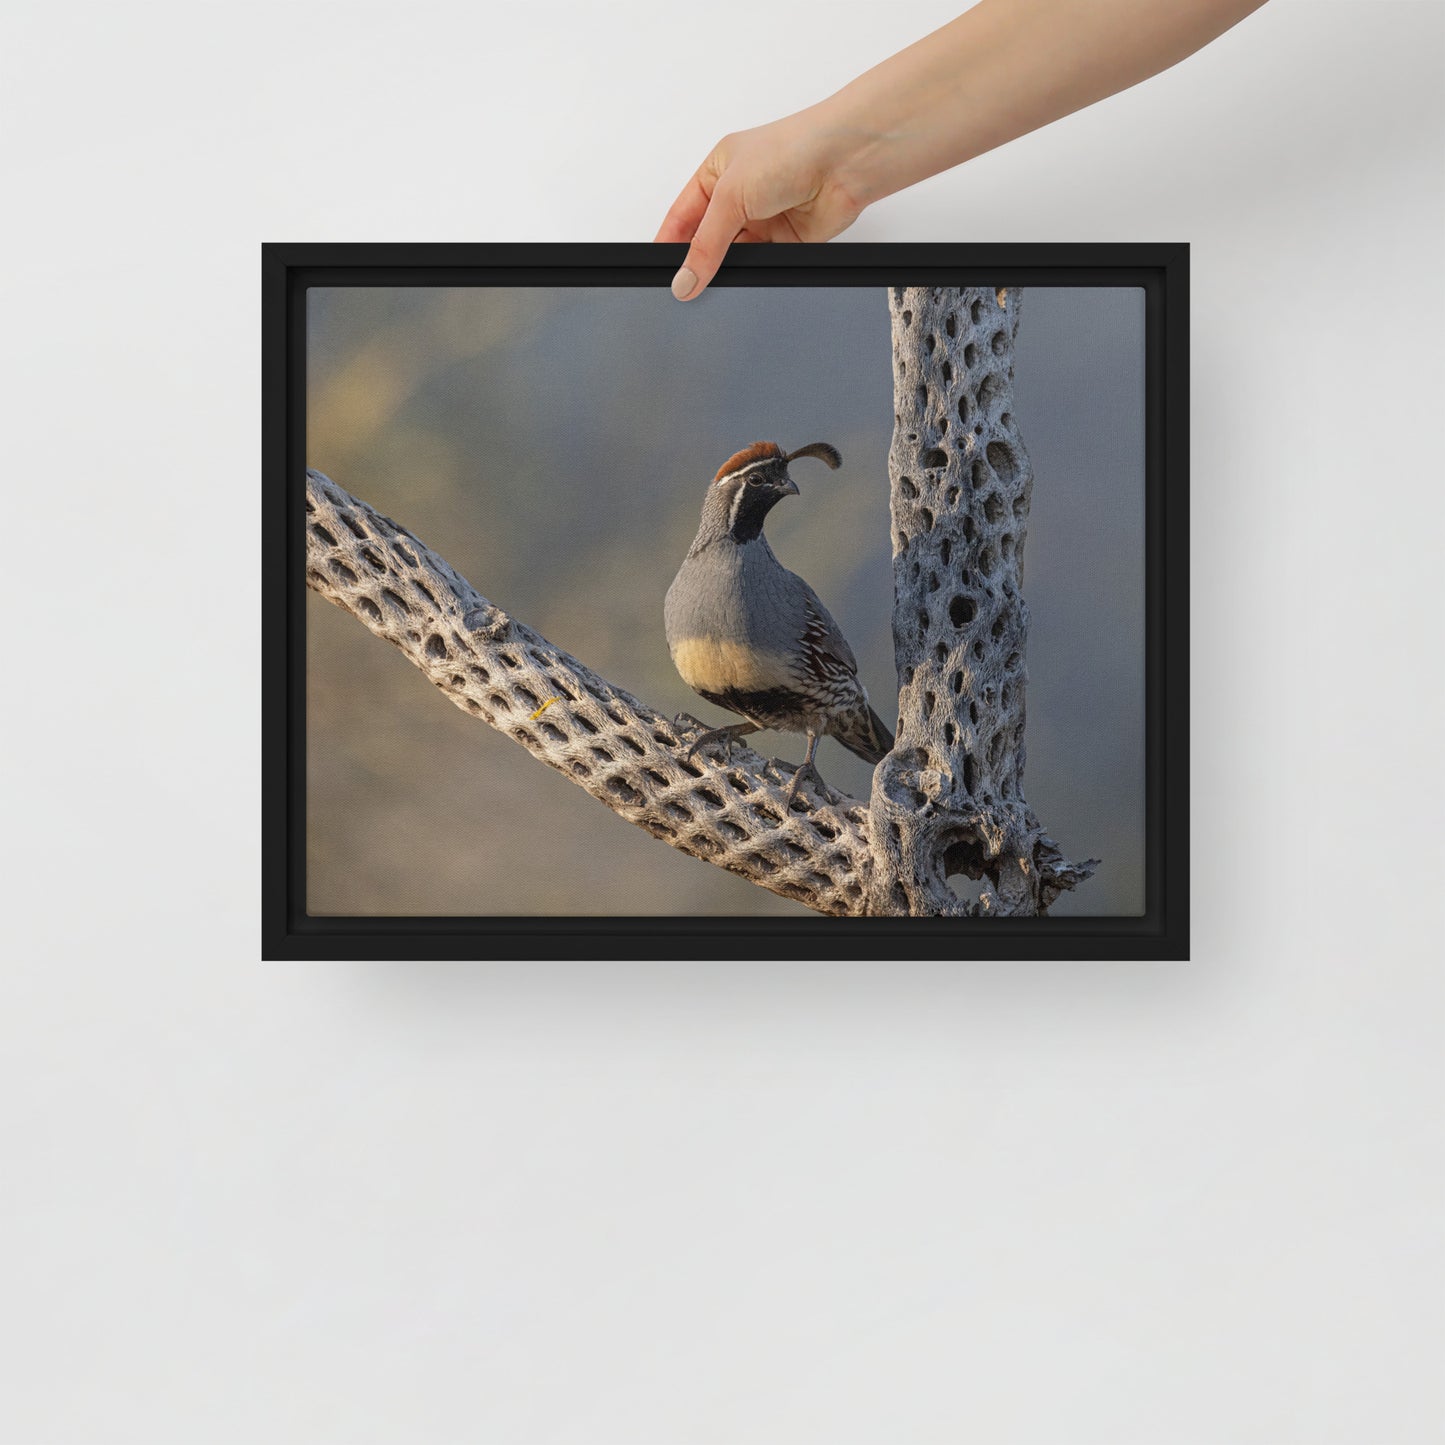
pixel 1000 70
pixel 778 182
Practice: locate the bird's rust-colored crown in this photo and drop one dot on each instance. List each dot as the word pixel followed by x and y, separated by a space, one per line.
pixel 758 452
pixel 771 451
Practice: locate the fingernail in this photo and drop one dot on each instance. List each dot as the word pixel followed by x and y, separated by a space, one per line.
pixel 684 284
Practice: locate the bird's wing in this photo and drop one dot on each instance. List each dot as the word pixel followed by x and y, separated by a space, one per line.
pixel 827 658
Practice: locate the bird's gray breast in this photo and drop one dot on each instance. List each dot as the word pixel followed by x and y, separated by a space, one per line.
pixel 734 623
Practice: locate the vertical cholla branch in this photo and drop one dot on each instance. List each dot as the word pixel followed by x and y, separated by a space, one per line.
pixel 949 799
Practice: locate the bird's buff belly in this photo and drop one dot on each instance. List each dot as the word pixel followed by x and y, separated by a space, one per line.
pixel 713 665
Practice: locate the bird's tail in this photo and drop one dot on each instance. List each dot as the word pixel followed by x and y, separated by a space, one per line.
pixel 863 732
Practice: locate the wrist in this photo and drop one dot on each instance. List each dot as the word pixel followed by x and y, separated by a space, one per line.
pixel 858 158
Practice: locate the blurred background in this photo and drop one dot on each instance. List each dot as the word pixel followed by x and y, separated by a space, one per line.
pixel 554 446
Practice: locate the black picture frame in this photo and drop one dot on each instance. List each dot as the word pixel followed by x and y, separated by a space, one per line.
pixel 1161 932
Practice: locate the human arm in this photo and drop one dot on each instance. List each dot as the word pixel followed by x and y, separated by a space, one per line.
pixel 1000 70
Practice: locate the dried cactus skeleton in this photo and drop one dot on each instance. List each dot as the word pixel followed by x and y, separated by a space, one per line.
pixel 947 800
pixel 626 754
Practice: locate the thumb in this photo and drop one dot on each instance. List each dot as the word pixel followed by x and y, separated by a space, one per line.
pixel 724 218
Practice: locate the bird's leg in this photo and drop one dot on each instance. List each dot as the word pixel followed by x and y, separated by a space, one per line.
pixel 732 734
pixel 807 769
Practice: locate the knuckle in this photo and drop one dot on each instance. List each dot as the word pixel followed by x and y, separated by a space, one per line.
pixel 717 157
pixel 731 200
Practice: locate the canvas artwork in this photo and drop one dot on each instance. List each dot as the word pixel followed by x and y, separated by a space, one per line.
pixel 802 600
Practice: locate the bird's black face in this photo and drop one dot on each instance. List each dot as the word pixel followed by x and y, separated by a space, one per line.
pixel 751 494
pixel 749 485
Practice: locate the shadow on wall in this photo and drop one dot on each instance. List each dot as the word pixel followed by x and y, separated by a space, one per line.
pixel 554 446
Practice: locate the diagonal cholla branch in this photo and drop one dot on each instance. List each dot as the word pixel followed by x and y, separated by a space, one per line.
pixel 949 798
pixel 620 750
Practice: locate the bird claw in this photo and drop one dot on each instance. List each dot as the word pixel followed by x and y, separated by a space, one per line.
pixel 806 770
pixel 711 737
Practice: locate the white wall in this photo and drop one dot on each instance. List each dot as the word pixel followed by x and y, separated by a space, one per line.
pixel 761 1201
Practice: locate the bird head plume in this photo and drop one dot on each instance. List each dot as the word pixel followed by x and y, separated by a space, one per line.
pixel 822 450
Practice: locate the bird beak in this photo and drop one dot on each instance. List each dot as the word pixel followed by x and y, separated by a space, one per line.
pixel 788 487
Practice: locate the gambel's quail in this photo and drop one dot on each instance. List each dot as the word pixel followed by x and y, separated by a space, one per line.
pixel 752 637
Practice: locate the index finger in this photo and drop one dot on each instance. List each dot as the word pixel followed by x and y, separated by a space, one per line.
pixel 724 220
pixel 683 216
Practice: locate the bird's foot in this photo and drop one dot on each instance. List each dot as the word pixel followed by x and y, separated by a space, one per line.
pixel 712 736
pixel 807 770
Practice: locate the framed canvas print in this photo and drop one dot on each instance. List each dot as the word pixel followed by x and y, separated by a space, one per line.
pixel 841 612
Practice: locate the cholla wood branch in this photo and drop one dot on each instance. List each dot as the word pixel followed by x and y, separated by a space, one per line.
pixel 949 799
pixel 623 752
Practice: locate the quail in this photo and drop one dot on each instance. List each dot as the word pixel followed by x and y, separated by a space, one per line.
pixel 752 637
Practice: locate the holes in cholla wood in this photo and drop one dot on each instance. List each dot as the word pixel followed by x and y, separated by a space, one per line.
pixel 1004 462
pixel 624 792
